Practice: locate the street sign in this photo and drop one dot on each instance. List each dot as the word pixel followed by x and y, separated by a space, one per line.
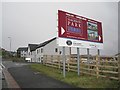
pixel 78 31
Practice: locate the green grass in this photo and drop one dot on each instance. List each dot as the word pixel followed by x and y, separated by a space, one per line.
pixel 0 53
pixel 83 81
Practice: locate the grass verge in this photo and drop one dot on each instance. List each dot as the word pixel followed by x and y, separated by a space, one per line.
pixel 83 81
pixel 0 53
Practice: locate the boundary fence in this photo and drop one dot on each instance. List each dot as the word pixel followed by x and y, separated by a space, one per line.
pixel 106 67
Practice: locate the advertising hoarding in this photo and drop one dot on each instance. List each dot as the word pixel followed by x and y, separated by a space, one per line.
pixel 78 31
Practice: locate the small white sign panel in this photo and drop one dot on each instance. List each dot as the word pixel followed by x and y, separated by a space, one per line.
pixel 27 58
pixel 78 43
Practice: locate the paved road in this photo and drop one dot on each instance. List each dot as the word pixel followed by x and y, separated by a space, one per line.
pixel 8 81
pixel 0 73
pixel 10 64
pixel 26 78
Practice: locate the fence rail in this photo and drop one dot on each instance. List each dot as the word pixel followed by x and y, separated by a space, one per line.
pixel 96 66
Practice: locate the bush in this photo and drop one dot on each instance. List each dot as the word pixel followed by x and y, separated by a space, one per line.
pixel 16 59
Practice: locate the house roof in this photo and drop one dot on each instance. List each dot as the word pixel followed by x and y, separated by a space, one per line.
pixel 45 43
pixel 117 54
pixel 22 49
pixel 33 46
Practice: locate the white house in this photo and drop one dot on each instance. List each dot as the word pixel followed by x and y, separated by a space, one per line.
pixel 22 52
pixel 48 47
pixel 31 55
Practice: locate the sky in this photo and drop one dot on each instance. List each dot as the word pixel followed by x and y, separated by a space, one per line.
pixel 35 22
pixel 118 27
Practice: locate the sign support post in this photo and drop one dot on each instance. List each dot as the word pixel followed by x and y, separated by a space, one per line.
pixel 97 62
pixel 70 50
pixel 64 62
pixel 98 54
pixel 88 55
pixel 78 61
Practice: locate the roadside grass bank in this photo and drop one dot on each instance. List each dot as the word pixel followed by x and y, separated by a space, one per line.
pixel 0 53
pixel 83 81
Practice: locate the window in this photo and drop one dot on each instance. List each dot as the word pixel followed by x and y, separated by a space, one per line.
pixel 60 52
pixel 56 50
pixel 41 58
pixel 41 50
pixel 37 52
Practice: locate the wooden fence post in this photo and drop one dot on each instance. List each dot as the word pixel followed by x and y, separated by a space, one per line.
pixel 106 60
pixel 46 60
pixel 43 57
pixel 58 56
pixel 97 69
pixel 52 60
pixel 119 66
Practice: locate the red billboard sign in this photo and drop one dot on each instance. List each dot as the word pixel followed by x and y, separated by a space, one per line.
pixel 78 27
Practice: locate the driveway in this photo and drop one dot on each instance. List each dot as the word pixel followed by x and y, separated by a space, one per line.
pixel 26 78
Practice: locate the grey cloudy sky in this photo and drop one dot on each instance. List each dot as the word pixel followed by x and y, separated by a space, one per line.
pixel 118 27
pixel 35 22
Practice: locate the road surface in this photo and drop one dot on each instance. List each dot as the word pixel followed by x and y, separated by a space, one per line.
pixel 26 78
pixel 0 73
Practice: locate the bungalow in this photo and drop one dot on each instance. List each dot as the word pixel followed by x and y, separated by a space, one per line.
pixel 48 47
pixel 22 52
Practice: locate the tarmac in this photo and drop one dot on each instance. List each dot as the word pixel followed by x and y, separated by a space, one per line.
pixel 19 75
pixel 26 78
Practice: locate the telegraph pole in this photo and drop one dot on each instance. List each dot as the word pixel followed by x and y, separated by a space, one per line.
pixel 10 43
